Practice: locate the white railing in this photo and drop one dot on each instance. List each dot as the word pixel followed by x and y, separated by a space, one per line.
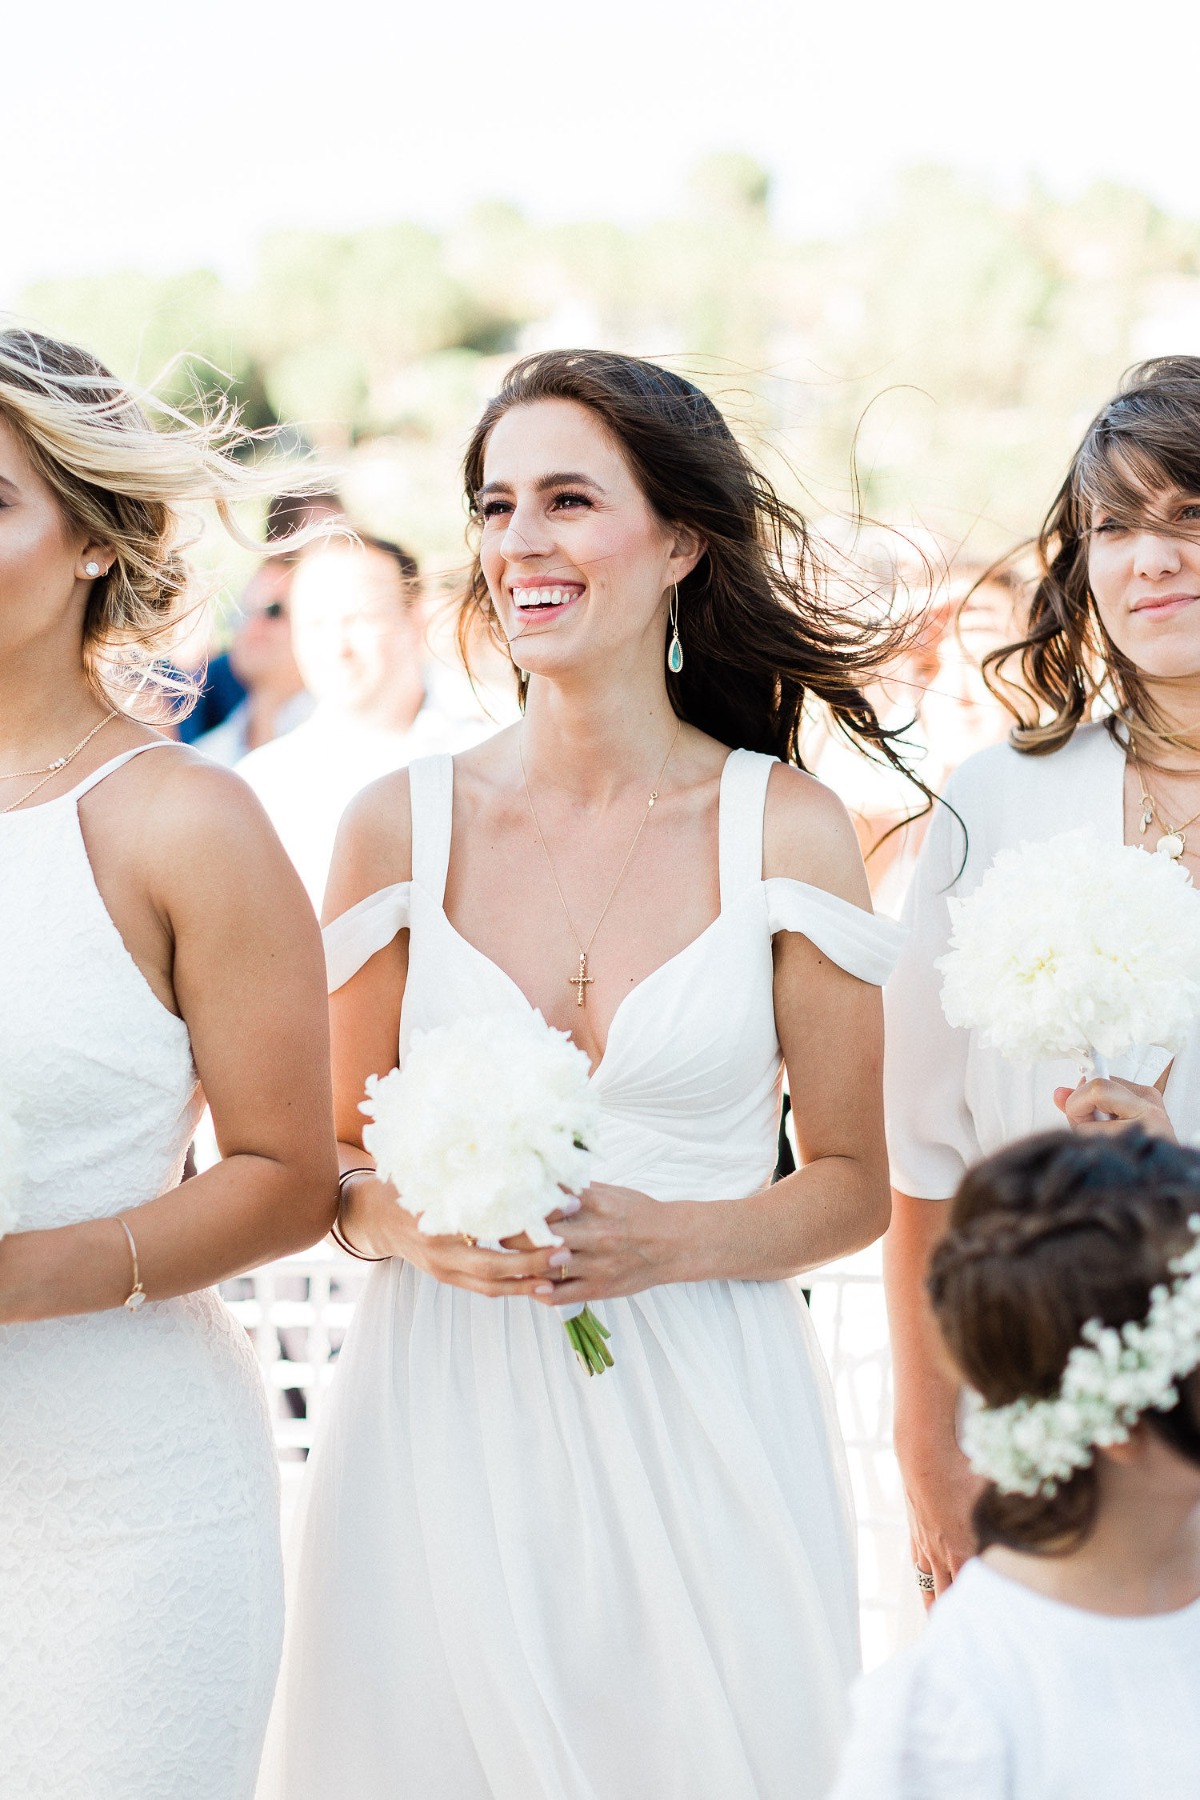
pixel 297 1312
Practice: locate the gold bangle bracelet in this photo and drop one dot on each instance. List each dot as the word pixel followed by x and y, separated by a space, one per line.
pixel 137 1293
pixel 335 1230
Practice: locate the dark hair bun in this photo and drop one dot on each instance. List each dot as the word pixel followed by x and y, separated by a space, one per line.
pixel 1045 1235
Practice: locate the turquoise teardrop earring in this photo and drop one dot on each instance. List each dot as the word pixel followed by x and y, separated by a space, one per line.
pixel 675 648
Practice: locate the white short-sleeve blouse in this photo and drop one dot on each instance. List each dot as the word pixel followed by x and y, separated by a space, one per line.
pixel 949 1099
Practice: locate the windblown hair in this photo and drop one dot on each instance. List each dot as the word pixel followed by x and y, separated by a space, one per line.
pixel 122 466
pixel 1045 1235
pixel 1066 666
pixel 762 623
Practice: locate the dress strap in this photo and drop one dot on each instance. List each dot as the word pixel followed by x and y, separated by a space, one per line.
pixel 431 795
pixel 106 769
pixel 742 807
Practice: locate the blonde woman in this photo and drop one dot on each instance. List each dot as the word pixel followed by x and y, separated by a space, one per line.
pixel 156 945
pixel 1107 696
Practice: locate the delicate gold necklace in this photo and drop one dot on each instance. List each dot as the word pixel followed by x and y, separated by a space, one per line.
pixel 582 981
pixel 51 769
pixel 1173 842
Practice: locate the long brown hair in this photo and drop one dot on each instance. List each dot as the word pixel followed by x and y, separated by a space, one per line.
pixel 761 623
pixel 1067 666
pixel 1045 1235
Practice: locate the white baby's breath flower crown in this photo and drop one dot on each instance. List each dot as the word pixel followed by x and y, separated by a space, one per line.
pixel 1110 1379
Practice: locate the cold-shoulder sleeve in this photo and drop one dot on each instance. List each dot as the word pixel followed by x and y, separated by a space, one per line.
pixel 353 939
pixel 860 942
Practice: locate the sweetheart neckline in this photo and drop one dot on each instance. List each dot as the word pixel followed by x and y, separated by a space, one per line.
pixel 516 988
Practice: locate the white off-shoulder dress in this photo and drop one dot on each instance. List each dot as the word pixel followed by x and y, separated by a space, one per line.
pixel 141 1579
pixel 514 1583
pixel 950 1098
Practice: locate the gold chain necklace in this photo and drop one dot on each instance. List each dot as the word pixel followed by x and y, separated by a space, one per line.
pixel 582 981
pixel 1173 842
pixel 51 769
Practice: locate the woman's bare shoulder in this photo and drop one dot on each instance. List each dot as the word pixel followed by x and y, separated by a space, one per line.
pixel 373 848
pixel 174 795
pixel 192 836
pixel 808 836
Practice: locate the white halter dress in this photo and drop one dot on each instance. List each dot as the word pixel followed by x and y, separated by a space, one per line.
pixel 140 1583
pixel 511 1582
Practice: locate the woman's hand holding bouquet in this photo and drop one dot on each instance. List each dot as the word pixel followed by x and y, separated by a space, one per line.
pixel 487 1133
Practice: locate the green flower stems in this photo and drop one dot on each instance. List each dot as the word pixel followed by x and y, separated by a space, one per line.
pixel 588 1338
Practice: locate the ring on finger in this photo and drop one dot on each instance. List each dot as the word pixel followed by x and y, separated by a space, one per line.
pixel 561 1274
pixel 925 1580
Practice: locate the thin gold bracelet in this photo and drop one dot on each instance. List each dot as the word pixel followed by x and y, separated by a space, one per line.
pixel 137 1293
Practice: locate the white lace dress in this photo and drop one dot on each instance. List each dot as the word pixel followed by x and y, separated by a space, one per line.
pixel 140 1582
pixel 513 1583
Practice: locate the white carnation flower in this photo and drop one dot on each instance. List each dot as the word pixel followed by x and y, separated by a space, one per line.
pixel 489 1120
pixel 10 1172
pixel 1073 946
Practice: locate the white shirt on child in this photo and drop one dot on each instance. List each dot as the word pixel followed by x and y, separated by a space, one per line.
pixel 1013 1696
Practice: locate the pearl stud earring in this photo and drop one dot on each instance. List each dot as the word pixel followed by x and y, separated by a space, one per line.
pixel 91 568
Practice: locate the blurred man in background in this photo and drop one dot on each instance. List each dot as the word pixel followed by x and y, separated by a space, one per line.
pixel 261 658
pixel 254 691
pixel 358 640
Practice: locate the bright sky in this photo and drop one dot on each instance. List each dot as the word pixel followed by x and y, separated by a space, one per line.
pixel 138 134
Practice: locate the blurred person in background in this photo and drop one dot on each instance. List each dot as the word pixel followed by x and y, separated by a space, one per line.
pixel 220 694
pixel 358 642
pixel 259 664
pixel 939 686
pixel 261 658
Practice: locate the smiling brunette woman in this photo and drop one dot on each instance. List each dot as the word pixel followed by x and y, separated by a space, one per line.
pixel 1106 692
pixel 515 1582
pixel 143 905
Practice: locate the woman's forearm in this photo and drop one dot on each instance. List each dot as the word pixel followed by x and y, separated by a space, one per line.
pixel 830 1208
pixel 245 1211
pixel 926 1388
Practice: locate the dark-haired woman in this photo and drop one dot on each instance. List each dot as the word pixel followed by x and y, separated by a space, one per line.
pixel 514 1583
pixel 1066 1660
pixel 1106 690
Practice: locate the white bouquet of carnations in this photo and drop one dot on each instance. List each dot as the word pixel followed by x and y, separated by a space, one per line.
pixel 10 1171
pixel 1075 948
pixel 487 1123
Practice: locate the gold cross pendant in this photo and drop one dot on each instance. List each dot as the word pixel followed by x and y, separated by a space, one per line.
pixel 581 981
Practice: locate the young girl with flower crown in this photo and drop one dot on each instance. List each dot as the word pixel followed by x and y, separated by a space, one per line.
pixel 1105 686
pixel 1065 1661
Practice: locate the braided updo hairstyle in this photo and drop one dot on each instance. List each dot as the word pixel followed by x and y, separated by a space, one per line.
pixel 1045 1235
